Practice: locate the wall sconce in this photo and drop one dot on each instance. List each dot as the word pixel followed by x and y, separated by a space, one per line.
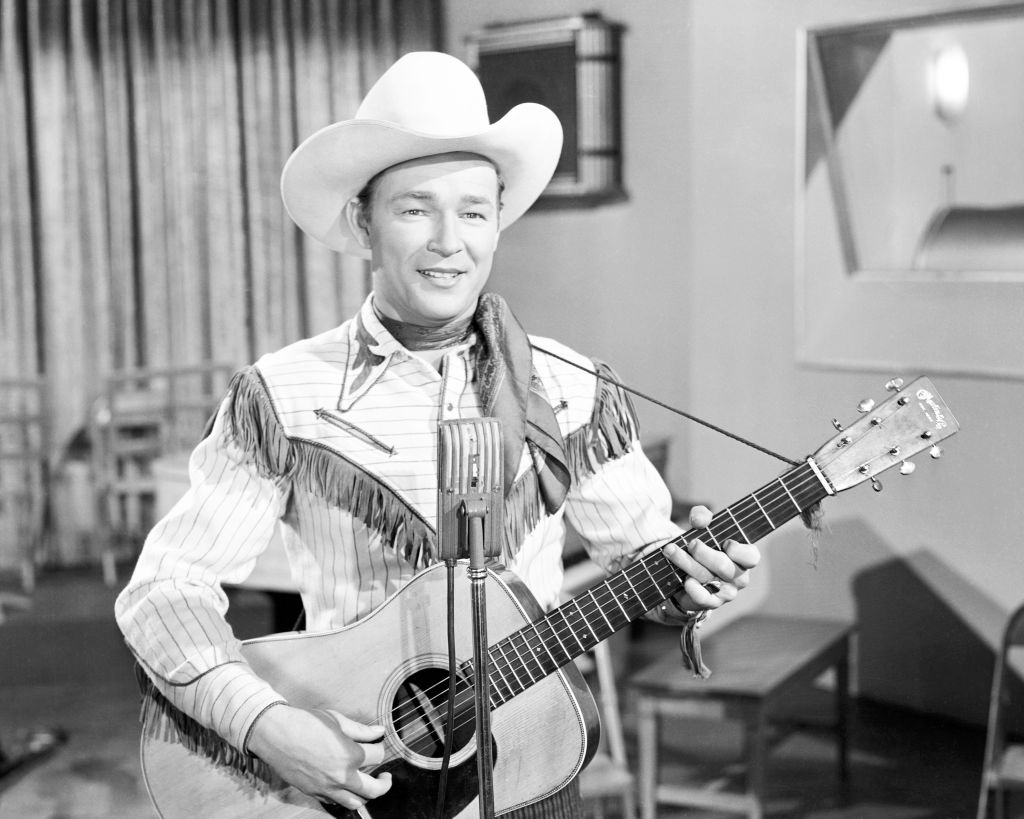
pixel 949 82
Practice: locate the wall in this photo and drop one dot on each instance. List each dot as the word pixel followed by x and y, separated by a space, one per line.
pixel 593 277
pixel 936 553
pixel 699 265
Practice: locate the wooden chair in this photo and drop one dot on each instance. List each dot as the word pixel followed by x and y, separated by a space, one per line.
pixel 1003 768
pixel 608 776
pixel 142 415
pixel 23 452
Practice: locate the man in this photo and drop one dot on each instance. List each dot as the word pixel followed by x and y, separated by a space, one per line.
pixel 335 437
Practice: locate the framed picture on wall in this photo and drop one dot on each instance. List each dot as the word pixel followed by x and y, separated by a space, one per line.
pixel 571 65
pixel 910 198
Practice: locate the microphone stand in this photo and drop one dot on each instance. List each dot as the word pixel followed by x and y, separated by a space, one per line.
pixel 474 512
pixel 470 515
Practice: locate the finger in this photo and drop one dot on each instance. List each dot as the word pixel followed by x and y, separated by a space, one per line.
pixel 720 564
pixel 359 789
pixel 700 517
pixel 358 731
pixel 370 787
pixel 701 596
pixel 682 559
pixel 746 555
pixel 374 754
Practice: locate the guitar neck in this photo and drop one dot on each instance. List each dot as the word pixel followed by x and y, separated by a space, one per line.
pixel 535 651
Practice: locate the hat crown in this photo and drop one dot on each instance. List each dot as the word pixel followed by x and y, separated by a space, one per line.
pixel 430 93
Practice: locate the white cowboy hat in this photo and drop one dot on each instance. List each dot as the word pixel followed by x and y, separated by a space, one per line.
pixel 427 103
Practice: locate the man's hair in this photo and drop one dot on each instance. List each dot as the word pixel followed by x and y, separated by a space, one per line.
pixel 365 196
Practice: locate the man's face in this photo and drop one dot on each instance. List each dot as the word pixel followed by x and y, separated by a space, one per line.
pixel 432 228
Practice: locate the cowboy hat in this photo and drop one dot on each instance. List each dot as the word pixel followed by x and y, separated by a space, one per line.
pixel 427 103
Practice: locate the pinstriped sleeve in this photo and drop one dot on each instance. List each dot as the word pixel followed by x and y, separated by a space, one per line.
pixel 618 502
pixel 172 610
pixel 620 507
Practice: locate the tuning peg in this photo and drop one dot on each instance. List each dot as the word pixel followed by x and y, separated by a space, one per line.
pixel 866 405
pixel 907 467
pixel 837 425
pixel 876 484
pixel 935 451
pixel 893 384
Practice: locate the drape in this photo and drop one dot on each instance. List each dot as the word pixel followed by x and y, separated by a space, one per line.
pixel 142 143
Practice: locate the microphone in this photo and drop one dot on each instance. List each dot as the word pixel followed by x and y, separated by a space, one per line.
pixel 469 485
pixel 470 507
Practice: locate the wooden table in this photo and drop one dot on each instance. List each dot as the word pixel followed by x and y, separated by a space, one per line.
pixel 756 661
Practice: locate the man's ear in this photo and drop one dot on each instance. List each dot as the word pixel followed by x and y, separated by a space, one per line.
pixel 357 222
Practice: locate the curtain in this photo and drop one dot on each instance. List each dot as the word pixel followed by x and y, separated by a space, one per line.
pixel 141 224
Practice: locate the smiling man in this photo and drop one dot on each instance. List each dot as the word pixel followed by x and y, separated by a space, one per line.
pixel 432 226
pixel 334 438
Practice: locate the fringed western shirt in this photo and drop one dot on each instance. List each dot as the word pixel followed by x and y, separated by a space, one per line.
pixel 334 440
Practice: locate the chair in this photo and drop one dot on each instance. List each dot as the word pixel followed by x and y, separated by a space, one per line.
pixel 1003 768
pixel 23 451
pixel 608 775
pixel 143 415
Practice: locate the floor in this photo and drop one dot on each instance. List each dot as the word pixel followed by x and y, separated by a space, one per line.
pixel 64 665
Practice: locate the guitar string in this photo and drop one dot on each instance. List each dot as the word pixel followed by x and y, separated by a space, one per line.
pixel 530 642
pixel 608 587
pixel 667 570
pixel 782 500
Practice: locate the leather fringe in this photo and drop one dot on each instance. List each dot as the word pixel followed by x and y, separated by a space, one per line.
pixel 252 421
pixel 523 511
pixel 689 644
pixel 255 426
pixel 163 722
pixel 612 432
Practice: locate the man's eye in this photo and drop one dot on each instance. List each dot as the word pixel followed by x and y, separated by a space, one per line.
pixel 472 214
pixel 413 211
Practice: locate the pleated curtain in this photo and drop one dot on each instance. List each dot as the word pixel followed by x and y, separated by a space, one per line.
pixel 141 224
pixel 140 220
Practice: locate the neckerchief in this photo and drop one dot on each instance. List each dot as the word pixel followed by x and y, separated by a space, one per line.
pixel 511 392
pixel 419 337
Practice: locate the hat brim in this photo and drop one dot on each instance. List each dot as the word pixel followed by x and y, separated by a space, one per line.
pixel 333 165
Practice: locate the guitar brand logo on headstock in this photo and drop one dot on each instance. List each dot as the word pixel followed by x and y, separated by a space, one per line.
pixel 936 416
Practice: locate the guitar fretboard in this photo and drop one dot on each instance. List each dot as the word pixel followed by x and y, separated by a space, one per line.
pixel 535 651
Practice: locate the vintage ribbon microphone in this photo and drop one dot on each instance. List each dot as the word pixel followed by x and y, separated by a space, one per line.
pixel 470 507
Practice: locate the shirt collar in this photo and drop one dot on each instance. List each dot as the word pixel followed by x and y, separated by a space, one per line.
pixel 370 350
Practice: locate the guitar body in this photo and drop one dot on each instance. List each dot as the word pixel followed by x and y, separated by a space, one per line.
pixel 391 667
pixel 541 738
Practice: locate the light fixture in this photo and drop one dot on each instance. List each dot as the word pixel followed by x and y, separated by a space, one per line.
pixel 949 82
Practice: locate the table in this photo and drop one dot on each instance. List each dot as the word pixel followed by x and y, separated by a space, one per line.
pixel 756 661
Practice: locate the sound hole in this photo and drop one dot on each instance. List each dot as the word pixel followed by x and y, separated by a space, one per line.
pixel 420 712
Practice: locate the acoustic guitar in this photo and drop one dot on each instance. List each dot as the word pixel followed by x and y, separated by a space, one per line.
pixel 392 667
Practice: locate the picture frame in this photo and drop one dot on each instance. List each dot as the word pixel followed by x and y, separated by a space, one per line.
pixel 572 65
pixel 909 237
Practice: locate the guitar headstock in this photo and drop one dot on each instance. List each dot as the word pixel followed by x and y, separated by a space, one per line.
pixel 913 419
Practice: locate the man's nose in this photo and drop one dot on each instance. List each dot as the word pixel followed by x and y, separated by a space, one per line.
pixel 445 241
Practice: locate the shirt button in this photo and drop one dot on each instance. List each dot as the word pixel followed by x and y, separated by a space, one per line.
pixel 450 407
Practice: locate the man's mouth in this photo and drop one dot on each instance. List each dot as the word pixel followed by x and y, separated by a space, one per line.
pixel 439 273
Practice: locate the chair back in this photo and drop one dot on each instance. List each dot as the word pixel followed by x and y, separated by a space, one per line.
pixel 1003 766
